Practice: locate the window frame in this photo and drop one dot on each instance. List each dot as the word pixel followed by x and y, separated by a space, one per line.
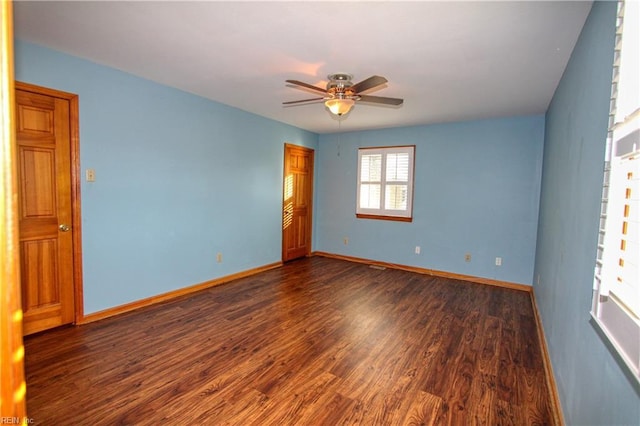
pixel 381 213
pixel 611 312
pixel 611 315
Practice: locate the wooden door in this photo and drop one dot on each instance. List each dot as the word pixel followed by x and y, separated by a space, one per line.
pixel 12 384
pixel 43 136
pixel 296 207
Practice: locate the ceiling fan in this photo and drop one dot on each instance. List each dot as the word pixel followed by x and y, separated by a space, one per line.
pixel 341 94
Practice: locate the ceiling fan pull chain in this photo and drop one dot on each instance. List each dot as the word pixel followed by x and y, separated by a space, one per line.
pixel 339 132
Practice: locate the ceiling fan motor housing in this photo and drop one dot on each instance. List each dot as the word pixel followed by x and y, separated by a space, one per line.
pixel 339 84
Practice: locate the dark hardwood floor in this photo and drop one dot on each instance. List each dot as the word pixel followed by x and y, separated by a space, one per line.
pixel 317 342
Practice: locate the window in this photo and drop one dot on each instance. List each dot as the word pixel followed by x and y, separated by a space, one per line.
pixel 616 296
pixel 385 183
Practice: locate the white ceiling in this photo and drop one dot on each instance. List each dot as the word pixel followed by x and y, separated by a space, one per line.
pixel 450 61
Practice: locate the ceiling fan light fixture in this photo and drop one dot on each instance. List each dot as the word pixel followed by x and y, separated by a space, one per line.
pixel 339 106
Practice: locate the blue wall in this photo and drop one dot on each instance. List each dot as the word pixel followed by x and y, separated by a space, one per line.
pixel 178 179
pixel 476 191
pixel 591 385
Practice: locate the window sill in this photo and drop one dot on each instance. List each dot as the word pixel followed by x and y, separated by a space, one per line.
pixel 618 331
pixel 380 217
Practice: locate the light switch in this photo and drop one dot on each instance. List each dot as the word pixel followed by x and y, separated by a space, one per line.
pixel 90 175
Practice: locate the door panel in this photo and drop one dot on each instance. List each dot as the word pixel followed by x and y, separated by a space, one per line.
pixel 298 193
pixel 44 205
pixel 38 173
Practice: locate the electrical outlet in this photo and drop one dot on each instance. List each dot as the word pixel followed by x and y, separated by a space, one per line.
pixel 417 249
pixel 219 257
pixel 345 240
pixel 498 261
pixel 467 257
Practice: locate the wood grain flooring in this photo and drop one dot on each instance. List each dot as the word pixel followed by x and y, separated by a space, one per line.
pixel 317 342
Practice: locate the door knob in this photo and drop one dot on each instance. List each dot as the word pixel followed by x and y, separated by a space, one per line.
pixel 64 227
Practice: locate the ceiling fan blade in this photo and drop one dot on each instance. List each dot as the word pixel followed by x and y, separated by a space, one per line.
pixel 369 83
pixel 308 86
pixel 303 100
pixel 381 100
